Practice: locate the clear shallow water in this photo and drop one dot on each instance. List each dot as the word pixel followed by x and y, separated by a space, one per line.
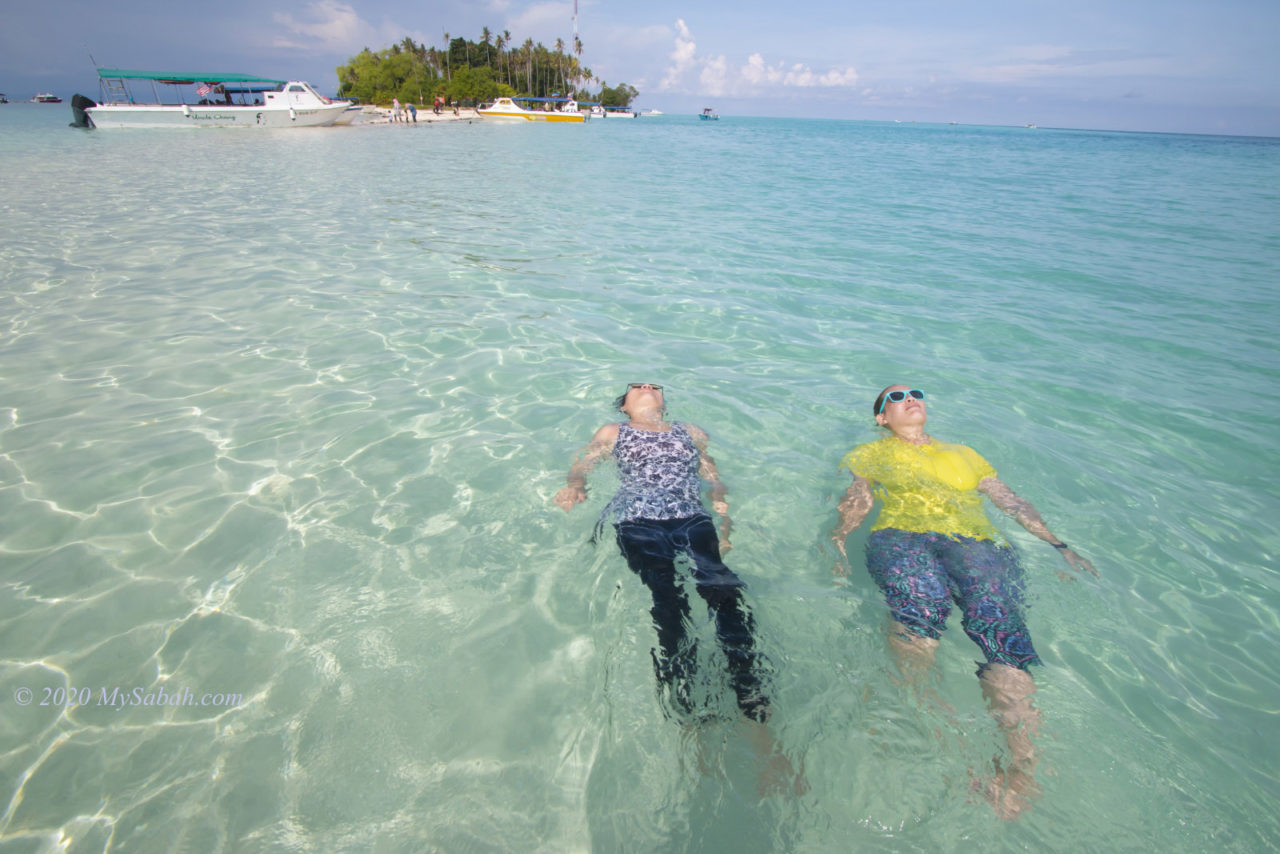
pixel 281 415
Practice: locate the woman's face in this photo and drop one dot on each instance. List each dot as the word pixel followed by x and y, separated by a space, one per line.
pixel 642 396
pixel 902 414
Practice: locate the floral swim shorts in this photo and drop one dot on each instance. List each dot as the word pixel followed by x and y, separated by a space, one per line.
pixel 921 573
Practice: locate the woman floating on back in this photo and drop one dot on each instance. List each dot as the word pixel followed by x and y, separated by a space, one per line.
pixel 658 515
pixel 933 544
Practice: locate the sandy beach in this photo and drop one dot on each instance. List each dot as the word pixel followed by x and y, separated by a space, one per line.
pixel 372 115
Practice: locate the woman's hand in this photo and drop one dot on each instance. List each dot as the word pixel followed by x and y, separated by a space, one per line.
pixel 726 526
pixel 600 447
pixel 574 493
pixel 854 507
pixel 1078 563
pixel 841 568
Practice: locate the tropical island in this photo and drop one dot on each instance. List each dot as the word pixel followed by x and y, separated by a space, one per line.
pixel 475 72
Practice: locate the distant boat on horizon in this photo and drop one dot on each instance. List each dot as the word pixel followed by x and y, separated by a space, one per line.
pixel 46 98
pixel 709 115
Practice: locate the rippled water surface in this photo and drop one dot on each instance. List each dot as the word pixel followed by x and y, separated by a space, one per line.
pixel 281 416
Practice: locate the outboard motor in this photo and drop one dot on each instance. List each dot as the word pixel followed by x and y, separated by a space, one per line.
pixel 80 119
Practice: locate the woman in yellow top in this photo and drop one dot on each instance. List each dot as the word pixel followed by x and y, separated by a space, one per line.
pixel 933 543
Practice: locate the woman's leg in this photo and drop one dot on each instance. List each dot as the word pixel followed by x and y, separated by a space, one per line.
pixel 650 553
pixel 904 566
pixel 988 584
pixel 1008 691
pixel 986 580
pixel 721 589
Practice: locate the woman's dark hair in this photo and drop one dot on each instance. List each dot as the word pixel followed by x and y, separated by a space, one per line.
pixel 622 398
pixel 875 408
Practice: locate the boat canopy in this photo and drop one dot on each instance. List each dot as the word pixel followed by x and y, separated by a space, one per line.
pixel 178 77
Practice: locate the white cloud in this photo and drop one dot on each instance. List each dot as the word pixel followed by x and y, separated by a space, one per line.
pixel 682 58
pixel 1039 62
pixel 329 25
pixel 544 22
pixel 637 38
pixel 714 78
pixel 757 77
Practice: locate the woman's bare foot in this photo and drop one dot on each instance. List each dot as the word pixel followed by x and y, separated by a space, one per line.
pixel 777 775
pixel 1010 791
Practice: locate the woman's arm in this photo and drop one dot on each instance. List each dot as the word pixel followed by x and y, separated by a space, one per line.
pixel 854 507
pixel 601 446
pixel 708 472
pixel 1028 517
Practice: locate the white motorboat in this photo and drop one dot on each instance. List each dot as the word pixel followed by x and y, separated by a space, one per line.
pixel 217 100
pixel 709 115
pixel 507 109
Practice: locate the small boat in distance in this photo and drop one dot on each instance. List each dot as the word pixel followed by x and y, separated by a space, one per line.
pixel 599 111
pixel 506 109
pixel 3 99
pixel 709 115
pixel 216 101
pixel 46 98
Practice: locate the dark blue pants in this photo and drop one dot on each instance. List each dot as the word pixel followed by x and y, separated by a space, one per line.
pixel 650 547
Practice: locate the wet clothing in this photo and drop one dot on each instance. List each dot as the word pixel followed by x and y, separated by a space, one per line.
pixel 659 519
pixel 931 487
pixel 933 543
pixel 651 547
pixel 921 573
pixel 659 474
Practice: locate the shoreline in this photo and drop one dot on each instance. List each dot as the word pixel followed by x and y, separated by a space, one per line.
pixel 372 115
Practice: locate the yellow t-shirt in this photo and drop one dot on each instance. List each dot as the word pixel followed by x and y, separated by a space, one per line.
pixel 931 487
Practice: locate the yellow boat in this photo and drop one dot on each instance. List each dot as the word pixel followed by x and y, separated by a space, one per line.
pixel 508 110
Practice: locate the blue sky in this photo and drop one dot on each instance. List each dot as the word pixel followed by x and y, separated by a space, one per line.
pixel 1141 65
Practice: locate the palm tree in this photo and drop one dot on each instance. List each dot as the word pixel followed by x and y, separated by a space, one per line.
pixel 506 35
pixel 446 57
pixel 408 46
pixel 485 35
pixel 560 63
pixel 527 49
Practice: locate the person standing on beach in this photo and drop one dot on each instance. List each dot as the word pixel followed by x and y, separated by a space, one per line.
pixel 395 110
pixel 413 111
pixel 933 543
pixel 659 516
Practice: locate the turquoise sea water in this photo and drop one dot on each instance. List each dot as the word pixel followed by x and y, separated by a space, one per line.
pixel 281 416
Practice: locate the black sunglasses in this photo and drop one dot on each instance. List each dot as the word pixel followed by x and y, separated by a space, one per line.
pixel 898 396
pixel 644 385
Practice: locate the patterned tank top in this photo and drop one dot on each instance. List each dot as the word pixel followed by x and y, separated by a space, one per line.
pixel 659 474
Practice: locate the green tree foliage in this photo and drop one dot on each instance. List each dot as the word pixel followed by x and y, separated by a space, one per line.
pixel 620 96
pixel 475 85
pixel 376 78
pixel 473 71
